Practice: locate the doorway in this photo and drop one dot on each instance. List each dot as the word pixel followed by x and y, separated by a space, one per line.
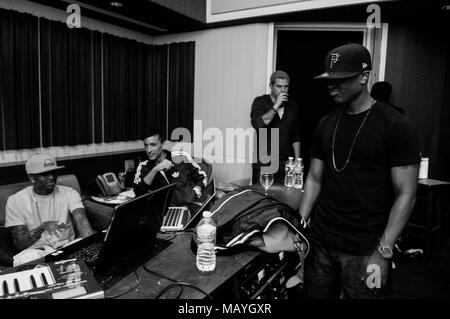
pixel 301 54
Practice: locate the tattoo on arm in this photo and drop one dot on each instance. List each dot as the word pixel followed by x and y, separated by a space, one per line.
pixel 21 237
pixel 82 223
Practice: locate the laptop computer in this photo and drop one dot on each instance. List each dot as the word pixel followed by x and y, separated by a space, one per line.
pixel 183 218
pixel 130 237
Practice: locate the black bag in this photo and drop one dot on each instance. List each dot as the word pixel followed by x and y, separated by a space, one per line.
pixel 240 215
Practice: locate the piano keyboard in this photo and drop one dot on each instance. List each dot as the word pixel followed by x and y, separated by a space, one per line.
pixel 55 280
pixel 175 219
pixel 25 280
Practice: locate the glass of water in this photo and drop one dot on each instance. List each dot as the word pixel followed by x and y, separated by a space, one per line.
pixel 266 180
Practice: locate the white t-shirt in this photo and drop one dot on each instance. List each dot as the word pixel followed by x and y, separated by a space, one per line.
pixel 29 209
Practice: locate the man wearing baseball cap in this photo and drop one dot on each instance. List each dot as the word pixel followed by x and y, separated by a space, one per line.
pixel 361 184
pixel 38 216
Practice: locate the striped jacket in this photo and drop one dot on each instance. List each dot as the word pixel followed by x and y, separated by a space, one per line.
pixel 186 173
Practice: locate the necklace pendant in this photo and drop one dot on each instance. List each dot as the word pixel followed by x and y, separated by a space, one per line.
pixel 353 142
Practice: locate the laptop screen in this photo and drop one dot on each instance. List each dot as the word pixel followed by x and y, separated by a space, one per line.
pixel 197 208
pixel 134 224
pixel 185 218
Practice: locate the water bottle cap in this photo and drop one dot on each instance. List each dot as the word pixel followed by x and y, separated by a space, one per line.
pixel 207 214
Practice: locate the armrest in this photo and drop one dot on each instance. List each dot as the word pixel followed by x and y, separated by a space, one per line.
pixel 98 214
pixel 7 250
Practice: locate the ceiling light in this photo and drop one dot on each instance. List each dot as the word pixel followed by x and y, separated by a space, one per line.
pixel 116 4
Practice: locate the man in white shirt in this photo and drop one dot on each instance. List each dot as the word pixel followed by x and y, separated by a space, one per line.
pixel 39 215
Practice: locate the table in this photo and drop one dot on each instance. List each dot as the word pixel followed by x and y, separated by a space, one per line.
pixel 177 261
pixel 430 228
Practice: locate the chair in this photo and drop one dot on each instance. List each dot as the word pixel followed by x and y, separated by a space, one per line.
pixel 188 147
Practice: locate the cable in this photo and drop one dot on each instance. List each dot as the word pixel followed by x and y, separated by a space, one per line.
pixel 181 284
pixel 157 274
pixel 138 283
pixel 170 236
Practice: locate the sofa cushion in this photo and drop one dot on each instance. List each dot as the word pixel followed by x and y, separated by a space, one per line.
pixel 5 192
pixel 7 250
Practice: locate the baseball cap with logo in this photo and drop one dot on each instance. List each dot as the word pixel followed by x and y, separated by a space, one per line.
pixel 41 163
pixel 346 61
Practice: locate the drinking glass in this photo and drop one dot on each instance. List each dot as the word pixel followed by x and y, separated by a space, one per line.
pixel 266 180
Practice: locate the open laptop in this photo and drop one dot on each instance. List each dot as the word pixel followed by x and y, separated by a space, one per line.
pixel 130 236
pixel 183 218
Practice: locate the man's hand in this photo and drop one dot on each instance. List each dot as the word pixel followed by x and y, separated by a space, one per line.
pixel 283 97
pixel 49 226
pixel 198 191
pixel 376 272
pixel 164 165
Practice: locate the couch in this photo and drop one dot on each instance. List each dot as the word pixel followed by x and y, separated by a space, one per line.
pixel 7 251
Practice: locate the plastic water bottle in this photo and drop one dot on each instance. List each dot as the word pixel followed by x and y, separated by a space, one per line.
pixel 298 173
pixel 289 173
pixel 206 240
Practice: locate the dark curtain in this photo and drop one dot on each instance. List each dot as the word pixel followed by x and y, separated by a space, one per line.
pixel 155 97
pixel 123 79
pixel 181 85
pixel 19 87
pixel 97 77
pixel 92 86
pixel 66 65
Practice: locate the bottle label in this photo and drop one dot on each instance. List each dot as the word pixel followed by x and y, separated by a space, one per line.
pixel 206 233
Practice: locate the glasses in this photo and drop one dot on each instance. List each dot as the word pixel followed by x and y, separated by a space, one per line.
pixel 266 180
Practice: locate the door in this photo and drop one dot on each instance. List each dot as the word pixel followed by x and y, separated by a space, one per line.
pixel 301 53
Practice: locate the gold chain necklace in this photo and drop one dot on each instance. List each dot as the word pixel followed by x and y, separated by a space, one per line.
pixel 353 143
pixel 52 208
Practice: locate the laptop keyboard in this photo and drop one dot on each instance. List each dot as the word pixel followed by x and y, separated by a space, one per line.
pixel 89 253
pixel 175 219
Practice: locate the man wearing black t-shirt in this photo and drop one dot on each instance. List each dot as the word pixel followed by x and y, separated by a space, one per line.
pixel 361 186
pixel 275 111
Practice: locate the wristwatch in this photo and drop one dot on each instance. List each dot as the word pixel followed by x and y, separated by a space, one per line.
pixel 385 251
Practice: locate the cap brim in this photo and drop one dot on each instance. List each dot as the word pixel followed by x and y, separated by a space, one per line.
pixel 336 75
pixel 50 169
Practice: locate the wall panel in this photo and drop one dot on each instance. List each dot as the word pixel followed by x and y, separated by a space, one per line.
pixel 230 71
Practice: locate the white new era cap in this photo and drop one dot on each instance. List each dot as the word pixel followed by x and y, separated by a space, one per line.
pixel 41 163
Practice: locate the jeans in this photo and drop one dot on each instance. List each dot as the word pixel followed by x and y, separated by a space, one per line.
pixel 331 274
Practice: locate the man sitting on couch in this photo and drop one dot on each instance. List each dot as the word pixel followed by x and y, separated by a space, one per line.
pixel 38 216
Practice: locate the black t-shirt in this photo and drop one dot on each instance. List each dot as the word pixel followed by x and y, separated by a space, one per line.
pixel 288 125
pixel 353 206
